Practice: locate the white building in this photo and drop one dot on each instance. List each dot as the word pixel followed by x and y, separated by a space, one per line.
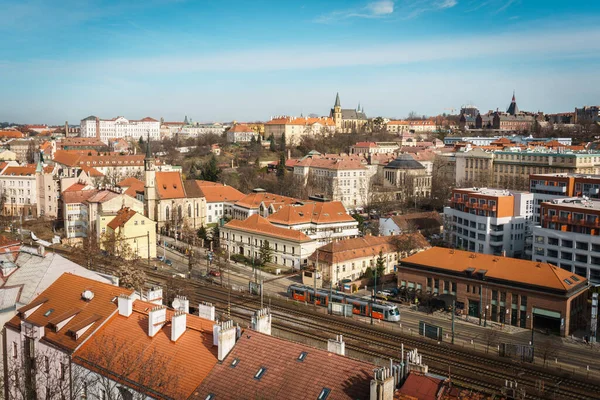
pixel 490 221
pixel 569 236
pixel 119 127
pixel 289 247
pixel 241 133
pixel 295 128
pixel 219 200
pixel 374 148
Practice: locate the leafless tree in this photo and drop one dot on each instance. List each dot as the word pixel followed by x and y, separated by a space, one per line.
pixel 547 349
pixel 116 369
pixel 491 338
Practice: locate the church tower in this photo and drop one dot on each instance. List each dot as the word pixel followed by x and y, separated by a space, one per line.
pixel 149 183
pixel 337 113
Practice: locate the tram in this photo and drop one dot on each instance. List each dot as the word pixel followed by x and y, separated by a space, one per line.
pixel 360 306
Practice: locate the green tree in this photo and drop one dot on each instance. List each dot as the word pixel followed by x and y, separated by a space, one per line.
pixel 282 142
pixel 210 170
pixel 252 140
pixel 216 237
pixel 281 167
pixel 380 265
pixel 265 254
pixel 368 274
pixel 361 221
pixel 259 139
pixel 272 145
pixel 202 233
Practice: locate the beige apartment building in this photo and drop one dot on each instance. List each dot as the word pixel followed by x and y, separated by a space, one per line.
pixel 295 128
pixel 512 167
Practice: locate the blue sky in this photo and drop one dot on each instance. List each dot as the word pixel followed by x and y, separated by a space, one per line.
pixel 248 60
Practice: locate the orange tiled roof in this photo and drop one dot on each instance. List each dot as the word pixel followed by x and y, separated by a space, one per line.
pixel 132 186
pixel 122 217
pixel 169 185
pixel 315 212
pixel 254 200
pixel 75 187
pixel 327 121
pixel 285 377
pixel 339 163
pixel 256 223
pixel 64 296
pixel 12 134
pixel 188 360
pixel 77 196
pixel 240 128
pixel 507 269
pixel 366 246
pixel 216 192
pixel 20 170
pixel 365 144
pixel 91 171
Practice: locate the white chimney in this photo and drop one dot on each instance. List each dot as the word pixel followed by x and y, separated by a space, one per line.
pixel 336 345
pixel 225 339
pixel 261 321
pixel 206 311
pixel 178 325
pixel 157 317
pixel 125 305
pixel 154 296
pixel 382 385
pixel 181 303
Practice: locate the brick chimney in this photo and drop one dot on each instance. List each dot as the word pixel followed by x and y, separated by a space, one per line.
pixel 206 311
pixel 261 321
pixel 337 345
pixel 382 385
pixel 225 334
pixel 125 305
pixel 157 317
pixel 154 296
pixel 178 325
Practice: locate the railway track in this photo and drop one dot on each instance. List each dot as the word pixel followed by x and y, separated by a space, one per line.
pixel 473 370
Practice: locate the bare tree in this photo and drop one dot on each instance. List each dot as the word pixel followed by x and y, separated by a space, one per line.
pixel 547 349
pixel 491 338
pixel 115 369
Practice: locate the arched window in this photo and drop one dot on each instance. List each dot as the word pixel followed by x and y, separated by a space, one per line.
pixel 179 212
pixel 189 211
pixel 167 213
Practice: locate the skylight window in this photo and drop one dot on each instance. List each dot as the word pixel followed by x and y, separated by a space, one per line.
pixel 568 282
pixel 324 394
pixel 260 373
pixel 210 397
pixel 235 362
pixel 48 312
pixel 302 356
pixel 576 279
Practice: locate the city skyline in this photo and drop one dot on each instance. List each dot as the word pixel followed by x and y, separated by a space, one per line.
pixel 241 61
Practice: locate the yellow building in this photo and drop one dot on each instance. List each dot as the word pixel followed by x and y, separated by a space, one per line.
pixel 128 234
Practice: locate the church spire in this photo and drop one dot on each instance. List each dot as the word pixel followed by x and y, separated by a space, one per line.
pixel 148 150
pixel 513 109
pixel 337 100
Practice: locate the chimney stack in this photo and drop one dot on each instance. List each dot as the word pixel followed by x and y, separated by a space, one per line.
pixel 336 345
pixel 154 296
pixel 181 303
pixel 382 385
pixel 261 321
pixel 157 317
pixel 226 334
pixel 178 325
pixel 125 305
pixel 206 311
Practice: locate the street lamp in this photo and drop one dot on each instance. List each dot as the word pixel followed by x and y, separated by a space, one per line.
pixel 485 315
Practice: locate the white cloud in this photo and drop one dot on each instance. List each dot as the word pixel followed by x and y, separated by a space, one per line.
pixel 447 4
pixel 374 9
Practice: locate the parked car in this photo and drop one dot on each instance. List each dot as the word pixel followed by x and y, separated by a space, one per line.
pixel 161 258
pixel 383 294
pixel 214 273
pixel 168 262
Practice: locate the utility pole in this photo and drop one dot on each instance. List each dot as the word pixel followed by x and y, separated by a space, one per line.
pixel 148 236
pixel 315 277
pixel 453 312
pixel 480 303
pixel 373 295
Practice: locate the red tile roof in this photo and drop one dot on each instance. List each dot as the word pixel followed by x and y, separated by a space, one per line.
pixel 334 163
pixel 171 369
pixel 11 134
pixel 132 186
pixel 241 128
pixel 76 187
pixel 367 246
pixel 79 196
pixel 315 212
pixel 257 224
pixel 301 121
pixel 217 192
pixel 91 171
pixel 169 185
pixel 253 200
pixel 285 377
pixel 64 295
pixel 421 387
pixel 122 217
pixel 532 273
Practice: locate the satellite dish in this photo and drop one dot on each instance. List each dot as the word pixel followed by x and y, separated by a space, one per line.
pixel 176 304
pixel 87 295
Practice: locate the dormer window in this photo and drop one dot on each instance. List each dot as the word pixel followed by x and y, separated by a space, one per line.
pixel 260 373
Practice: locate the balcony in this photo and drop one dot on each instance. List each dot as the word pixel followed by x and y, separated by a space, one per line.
pixel 548 188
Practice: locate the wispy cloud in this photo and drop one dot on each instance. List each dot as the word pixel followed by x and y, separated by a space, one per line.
pixel 494 6
pixel 374 9
pixel 413 8
pixel 549 44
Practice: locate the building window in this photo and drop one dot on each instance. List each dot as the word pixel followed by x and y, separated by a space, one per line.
pixel 15 350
